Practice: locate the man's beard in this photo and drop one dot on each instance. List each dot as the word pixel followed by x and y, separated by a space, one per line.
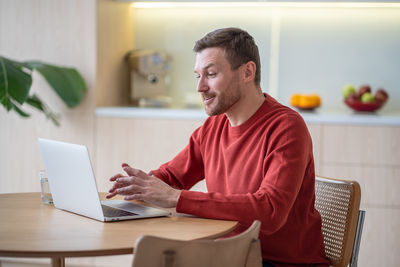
pixel 223 102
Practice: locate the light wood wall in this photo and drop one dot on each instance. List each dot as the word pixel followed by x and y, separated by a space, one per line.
pixel 75 33
pixel 92 36
pixel 115 36
pixel 58 32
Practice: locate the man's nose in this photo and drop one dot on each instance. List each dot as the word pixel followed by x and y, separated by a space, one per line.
pixel 202 85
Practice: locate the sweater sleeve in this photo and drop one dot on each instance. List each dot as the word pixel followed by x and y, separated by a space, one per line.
pixel 285 164
pixel 186 168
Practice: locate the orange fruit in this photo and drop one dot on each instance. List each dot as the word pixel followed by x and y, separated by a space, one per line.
pixel 305 101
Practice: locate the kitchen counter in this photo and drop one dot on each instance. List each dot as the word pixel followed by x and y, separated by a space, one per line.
pixel 345 116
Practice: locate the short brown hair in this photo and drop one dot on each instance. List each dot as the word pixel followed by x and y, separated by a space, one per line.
pixel 238 44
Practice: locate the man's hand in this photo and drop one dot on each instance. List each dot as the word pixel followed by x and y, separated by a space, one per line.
pixel 141 186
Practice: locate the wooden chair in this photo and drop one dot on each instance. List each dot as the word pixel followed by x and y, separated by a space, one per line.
pixel 242 250
pixel 338 202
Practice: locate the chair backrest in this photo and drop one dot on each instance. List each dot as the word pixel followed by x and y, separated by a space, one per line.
pixel 242 250
pixel 338 202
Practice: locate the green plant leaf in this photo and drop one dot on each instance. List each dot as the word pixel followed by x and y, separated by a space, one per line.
pixel 15 81
pixel 6 102
pixel 37 103
pixel 9 105
pixel 67 82
pixel 19 110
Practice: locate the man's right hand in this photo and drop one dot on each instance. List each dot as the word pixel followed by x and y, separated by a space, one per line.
pixel 141 186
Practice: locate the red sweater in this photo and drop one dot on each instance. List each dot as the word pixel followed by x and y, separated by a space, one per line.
pixel 261 170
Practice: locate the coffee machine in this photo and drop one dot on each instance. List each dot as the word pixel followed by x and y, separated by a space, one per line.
pixel 149 74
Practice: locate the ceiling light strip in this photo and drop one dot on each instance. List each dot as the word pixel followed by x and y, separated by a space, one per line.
pixel 264 4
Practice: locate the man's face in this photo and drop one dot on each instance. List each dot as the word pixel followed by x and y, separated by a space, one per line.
pixel 217 82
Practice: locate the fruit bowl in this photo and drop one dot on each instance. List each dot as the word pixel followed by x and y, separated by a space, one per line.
pixel 360 106
pixel 364 99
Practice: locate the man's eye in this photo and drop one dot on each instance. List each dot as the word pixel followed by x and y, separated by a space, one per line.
pixel 211 74
pixel 197 76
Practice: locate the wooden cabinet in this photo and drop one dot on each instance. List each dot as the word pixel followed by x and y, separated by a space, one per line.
pixel 142 143
pixel 371 156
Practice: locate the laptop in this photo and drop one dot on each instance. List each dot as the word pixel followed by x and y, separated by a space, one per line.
pixel 73 185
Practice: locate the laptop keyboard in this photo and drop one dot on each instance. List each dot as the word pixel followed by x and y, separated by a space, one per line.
pixel 113 212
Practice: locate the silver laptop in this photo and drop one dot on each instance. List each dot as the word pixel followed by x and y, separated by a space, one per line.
pixel 73 185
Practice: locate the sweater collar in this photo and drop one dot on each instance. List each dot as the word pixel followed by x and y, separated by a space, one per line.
pixel 263 109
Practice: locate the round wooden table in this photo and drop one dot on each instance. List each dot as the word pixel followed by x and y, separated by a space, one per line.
pixel 29 228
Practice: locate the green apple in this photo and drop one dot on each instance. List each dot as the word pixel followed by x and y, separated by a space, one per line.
pixel 348 90
pixel 367 98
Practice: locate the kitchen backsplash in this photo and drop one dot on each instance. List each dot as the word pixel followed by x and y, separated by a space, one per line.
pixel 303 50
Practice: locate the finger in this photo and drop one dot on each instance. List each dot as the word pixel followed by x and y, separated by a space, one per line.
pixel 112 179
pixel 129 190
pixel 125 180
pixel 115 186
pixel 110 195
pixel 131 171
pixel 131 181
pixel 134 172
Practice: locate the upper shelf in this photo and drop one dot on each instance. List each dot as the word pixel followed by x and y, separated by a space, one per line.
pixel 320 116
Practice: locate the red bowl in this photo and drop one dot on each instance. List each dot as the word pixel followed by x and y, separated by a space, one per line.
pixel 360 106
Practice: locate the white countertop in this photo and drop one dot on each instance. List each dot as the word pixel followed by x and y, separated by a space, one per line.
pixel 345 116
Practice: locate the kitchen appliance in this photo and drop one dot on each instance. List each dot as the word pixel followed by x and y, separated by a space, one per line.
pixel 149 75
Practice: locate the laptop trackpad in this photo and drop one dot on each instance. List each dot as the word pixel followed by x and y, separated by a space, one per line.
pixel 128 206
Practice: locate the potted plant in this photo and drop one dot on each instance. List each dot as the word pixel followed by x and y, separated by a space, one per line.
pixel 16 81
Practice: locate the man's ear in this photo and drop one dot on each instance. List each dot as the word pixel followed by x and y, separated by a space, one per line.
pixel 249 71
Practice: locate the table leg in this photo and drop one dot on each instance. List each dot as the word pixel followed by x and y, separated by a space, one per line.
pixel 58 262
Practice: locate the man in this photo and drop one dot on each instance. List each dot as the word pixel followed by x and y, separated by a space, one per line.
pixel 254 153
